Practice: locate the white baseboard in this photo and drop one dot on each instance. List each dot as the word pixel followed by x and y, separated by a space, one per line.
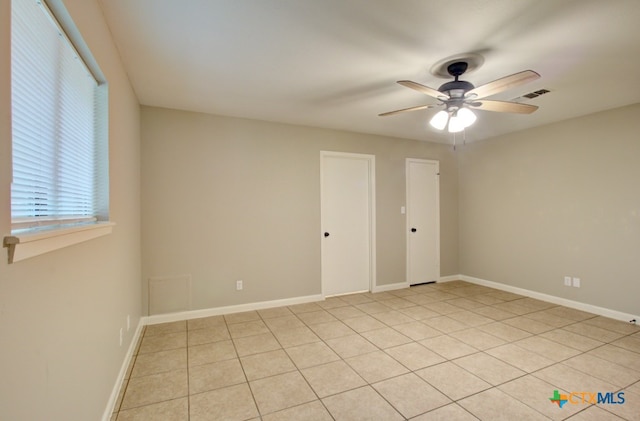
pixel 123 372
pixel 450 278
pixel 390 287
pixel 217 311
pixel 601 311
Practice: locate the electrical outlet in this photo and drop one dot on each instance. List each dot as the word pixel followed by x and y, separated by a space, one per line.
pixel 576 282
pixel 238 285
pixel 567 281
pixel 120 336
pixel 128 322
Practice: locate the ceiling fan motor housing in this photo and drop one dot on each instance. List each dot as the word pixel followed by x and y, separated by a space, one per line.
pixel 456 88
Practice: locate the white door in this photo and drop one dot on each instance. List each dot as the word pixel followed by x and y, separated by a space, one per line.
pixel 347 215
pixel 423 221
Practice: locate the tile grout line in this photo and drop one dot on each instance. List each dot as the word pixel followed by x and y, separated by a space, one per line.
pixel 235 348
pixel 188 372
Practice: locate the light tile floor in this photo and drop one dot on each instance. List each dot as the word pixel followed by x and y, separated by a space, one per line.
pixel 449 351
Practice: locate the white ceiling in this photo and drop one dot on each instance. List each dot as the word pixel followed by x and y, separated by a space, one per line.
pixel 334 63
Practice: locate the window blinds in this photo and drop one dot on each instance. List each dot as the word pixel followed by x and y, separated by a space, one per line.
pixel 54 101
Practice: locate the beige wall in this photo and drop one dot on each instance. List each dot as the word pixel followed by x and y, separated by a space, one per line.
pixel 60 313
pixel 560 200
pixel 227 198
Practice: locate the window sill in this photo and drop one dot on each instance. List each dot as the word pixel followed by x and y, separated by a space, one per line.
pixel 27 244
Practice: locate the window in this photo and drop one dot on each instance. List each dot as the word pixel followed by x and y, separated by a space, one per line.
pixel 59 126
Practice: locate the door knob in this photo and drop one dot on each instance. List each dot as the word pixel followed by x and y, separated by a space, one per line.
pixel 326 234
pixel 413 230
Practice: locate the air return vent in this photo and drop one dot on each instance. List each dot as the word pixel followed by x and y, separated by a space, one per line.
pixel 535 94
pixel 170 294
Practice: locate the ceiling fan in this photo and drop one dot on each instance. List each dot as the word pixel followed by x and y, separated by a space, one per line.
pixel 458 98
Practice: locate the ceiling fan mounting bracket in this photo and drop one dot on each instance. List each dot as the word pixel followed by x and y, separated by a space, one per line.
pixel 441 68
pixel 457 68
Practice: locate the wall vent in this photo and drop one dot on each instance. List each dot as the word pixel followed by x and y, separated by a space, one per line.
pixel 169 294
pixel 535 94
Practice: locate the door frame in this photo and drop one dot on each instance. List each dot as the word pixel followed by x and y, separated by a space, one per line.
pixel 408 210
pixel 371 160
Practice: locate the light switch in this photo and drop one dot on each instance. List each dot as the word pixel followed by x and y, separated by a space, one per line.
pixel 403 210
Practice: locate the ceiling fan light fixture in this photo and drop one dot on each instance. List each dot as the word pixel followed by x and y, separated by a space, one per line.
pixel 466 116
pixel 439 120
pixel 456 124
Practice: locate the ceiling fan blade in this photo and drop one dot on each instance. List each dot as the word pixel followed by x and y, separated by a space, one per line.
pixel 424 89
pixel 419 107
pixel 503 106
pixel 502 84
